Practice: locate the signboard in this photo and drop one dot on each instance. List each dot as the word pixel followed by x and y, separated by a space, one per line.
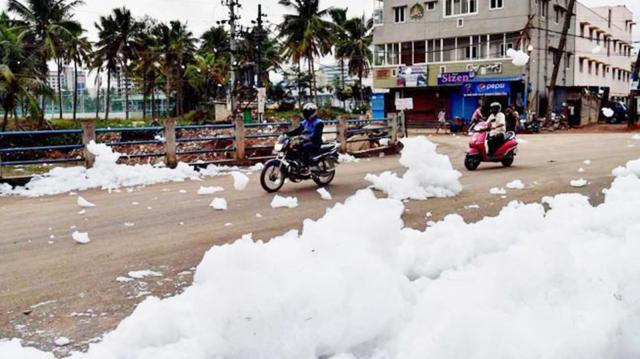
pixel 486 89
pixel 262 99
pixel 455 78
pixel 382 74
pixel 403 104
pixel 412 76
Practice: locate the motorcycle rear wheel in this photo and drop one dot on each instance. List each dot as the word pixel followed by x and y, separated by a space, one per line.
pixel 325 178
pixel 272 177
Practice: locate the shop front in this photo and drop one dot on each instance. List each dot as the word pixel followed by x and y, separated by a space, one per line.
pixel 508 91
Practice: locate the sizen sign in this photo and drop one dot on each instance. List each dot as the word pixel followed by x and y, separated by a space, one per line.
pixel 455 78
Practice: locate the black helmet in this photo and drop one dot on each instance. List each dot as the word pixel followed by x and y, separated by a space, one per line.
pixel 308 110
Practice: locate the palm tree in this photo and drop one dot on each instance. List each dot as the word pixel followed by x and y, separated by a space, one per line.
pixel 339 18
pixel 306 34
pixel 215 41
pixel 105 56
pixel 207 75
pixel 271 53
pixel 357 48
pixel 176 46
pixel 42 24
pixel 78 50
pixel 118 33
pixel 20 78
pixel 147 63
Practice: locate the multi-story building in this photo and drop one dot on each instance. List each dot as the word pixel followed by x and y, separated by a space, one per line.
pixel 452 54
pixel 122 82
pixel 67 80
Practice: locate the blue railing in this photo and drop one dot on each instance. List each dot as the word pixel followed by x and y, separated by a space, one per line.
pixel 157 129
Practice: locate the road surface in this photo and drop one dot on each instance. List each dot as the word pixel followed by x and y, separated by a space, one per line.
pixel 50 286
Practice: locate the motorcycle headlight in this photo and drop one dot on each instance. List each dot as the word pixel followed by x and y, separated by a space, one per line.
pixel 278 147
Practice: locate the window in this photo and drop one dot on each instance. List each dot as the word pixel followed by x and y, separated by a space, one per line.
pixel 406 57
pixel 581 65
pixel 613 74
pixel 430 5
pixel 557 16
pixel 503 49
pixel 496 4
pixel 471 52
pixel 392 54
pixel 568 62
pixel 543 8
pixel 590 67
pixel 597 69
pixel 379 55
pixel 460 7
pixel 460 22
pixel 419 52
pixel 398 14
pixel 443 69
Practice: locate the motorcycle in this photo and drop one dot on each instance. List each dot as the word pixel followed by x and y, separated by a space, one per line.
pixel 288 164
pixel 478 148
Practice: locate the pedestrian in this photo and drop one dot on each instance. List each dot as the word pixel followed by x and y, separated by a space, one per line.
pixel 476 118
pixel 442 120
pixel 510 117
pixel 518 118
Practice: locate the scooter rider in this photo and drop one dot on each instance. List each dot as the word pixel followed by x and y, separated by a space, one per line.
pixel 311 130
pixel 498 128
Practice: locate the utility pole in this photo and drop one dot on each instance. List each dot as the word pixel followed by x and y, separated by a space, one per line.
pixel 259 39
pixel 557 56
pixel 232 5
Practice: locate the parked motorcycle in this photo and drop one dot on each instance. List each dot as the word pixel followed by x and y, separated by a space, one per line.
pixel 288 164
pixel 478 148
pixel 531 124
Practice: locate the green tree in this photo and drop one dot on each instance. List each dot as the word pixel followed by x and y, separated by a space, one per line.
pixel 176 46
pixel 146 67
pixel 118 33
pixel 357 48
pixel 306 34
pixel 20 79
pixel 42 24
pixel 78 50
pixel 215 41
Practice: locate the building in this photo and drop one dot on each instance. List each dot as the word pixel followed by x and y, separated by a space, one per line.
pixel 121 82
pixel 330 75
pixel 452 54
pixel 67 80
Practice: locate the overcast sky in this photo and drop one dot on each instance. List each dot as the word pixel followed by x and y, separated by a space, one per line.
pixel 202 14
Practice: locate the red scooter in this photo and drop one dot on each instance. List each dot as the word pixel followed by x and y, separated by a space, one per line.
pixel 479 148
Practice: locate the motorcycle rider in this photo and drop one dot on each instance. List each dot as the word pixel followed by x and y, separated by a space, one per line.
pixel 311 130
pixel 498 128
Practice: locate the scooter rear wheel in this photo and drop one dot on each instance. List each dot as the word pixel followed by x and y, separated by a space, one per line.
pixel 471 163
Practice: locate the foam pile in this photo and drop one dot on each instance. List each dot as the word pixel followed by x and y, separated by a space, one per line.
pixel 429 174
pixel 552 283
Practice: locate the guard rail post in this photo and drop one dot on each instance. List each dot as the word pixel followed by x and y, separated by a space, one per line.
pixel 393 122
pixel 170 147
pixel 342 133
pixel 88 135
pixel 240 138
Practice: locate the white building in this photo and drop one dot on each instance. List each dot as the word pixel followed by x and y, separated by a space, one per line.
pixel 604 49
pixel 67 80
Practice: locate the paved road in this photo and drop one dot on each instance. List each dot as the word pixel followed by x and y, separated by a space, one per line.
pixel 50 286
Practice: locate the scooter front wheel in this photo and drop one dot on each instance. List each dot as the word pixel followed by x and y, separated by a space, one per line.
pixel 508 161
pixel 471 163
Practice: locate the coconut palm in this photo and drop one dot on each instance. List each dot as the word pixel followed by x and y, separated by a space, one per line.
pixel 306 34
pixel 215 41
pixel 118 33
pixel 357 48
pixel 271 53
pixel 42 24
pixel 176 46
pixel 78 50
pixel 208 74
pixel 340 38
pixel 146 66
pixel 20 79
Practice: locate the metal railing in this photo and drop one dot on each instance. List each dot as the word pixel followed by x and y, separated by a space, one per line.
pixel 172 138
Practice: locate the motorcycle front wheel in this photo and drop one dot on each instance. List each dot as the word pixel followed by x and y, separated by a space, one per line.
pixel 272 177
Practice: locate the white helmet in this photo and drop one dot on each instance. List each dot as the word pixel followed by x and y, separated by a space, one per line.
pixel 309 109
